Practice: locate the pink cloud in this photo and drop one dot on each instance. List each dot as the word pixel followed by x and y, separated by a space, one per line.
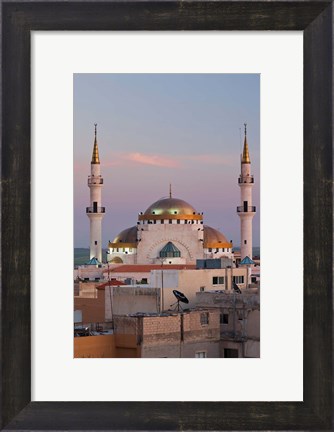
pixel 146 159
pixel 136 158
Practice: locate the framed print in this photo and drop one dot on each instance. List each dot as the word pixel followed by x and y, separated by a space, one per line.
pixel 18 412
pixel 279 48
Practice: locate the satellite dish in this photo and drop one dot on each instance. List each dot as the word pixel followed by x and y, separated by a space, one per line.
pixel 180 296
pixel 236 288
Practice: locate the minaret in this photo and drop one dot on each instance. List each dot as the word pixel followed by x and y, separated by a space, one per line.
pixel 246 211
pixel 95 212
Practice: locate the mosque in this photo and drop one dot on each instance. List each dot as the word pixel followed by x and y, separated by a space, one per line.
pixel 169 231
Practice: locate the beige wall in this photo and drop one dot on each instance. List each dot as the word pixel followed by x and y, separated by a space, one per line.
pixel 190 281
pixel 93 309
pixel 94 347
pixel 106 346
pixel 242 331
pixel 131 299
pixel 174 336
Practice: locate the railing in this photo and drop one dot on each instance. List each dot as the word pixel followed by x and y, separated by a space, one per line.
pixel 95 210
pixel 249 209
pixel 95 181
pixel 247 179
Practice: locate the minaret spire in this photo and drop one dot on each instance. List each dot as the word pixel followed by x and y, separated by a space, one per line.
pixel 245 154
pixel 170 190
pixel 95 155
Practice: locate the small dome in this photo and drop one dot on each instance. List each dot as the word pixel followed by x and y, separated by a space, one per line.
pixel 116 260
pixel 214 238
pixel 170 206
pixel 128 236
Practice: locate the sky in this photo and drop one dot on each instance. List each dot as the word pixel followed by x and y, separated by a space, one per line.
pixel 159 129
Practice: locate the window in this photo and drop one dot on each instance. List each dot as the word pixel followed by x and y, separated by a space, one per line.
pixel 230 353
pixel 169 251
pixel 178 221
pixel 202 289
pixel 162 221
pixel 210 249
pixel 204 318
pixel 95 242
pixel 223 318
pixel 238 279
pixel 170 221
pixel 218 280
pixel 200 354
pixel 245 241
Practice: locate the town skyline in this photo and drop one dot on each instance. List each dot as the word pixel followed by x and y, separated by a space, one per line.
pixel 160 129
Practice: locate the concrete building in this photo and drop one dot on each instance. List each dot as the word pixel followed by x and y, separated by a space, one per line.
pixel 158 294
pixel 91 271
pixel 239 321
pixel 191 334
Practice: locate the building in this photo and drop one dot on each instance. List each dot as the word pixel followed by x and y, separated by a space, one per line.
pixel 169 231
pixel 239 321
pixel 190 334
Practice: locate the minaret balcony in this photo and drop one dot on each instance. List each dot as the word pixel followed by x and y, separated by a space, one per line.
pixel 95 181
pixel 248 209
pixel 95 209
pixel 246 179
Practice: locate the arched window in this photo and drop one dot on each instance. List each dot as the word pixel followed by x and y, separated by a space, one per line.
pixel 170 251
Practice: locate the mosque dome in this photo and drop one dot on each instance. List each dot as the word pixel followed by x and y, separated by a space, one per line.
pixel 215 239
pixel 116 260
pixel 126 238
pixel 170 208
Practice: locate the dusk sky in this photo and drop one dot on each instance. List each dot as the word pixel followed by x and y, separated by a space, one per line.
pixel 157 129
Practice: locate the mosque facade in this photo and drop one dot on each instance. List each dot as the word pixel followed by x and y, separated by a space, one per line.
pixel 169 231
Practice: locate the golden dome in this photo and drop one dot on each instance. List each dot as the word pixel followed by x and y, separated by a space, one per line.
pixel 126 238
pixel 215 239
pixel 116 260
pixel 170 208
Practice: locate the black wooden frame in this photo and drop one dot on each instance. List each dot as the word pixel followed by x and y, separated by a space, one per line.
pixel 315 18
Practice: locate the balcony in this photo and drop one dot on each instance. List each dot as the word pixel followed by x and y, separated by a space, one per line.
pixel 247 179
pixel 95 181
pixel 95 209
pixel 248 209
